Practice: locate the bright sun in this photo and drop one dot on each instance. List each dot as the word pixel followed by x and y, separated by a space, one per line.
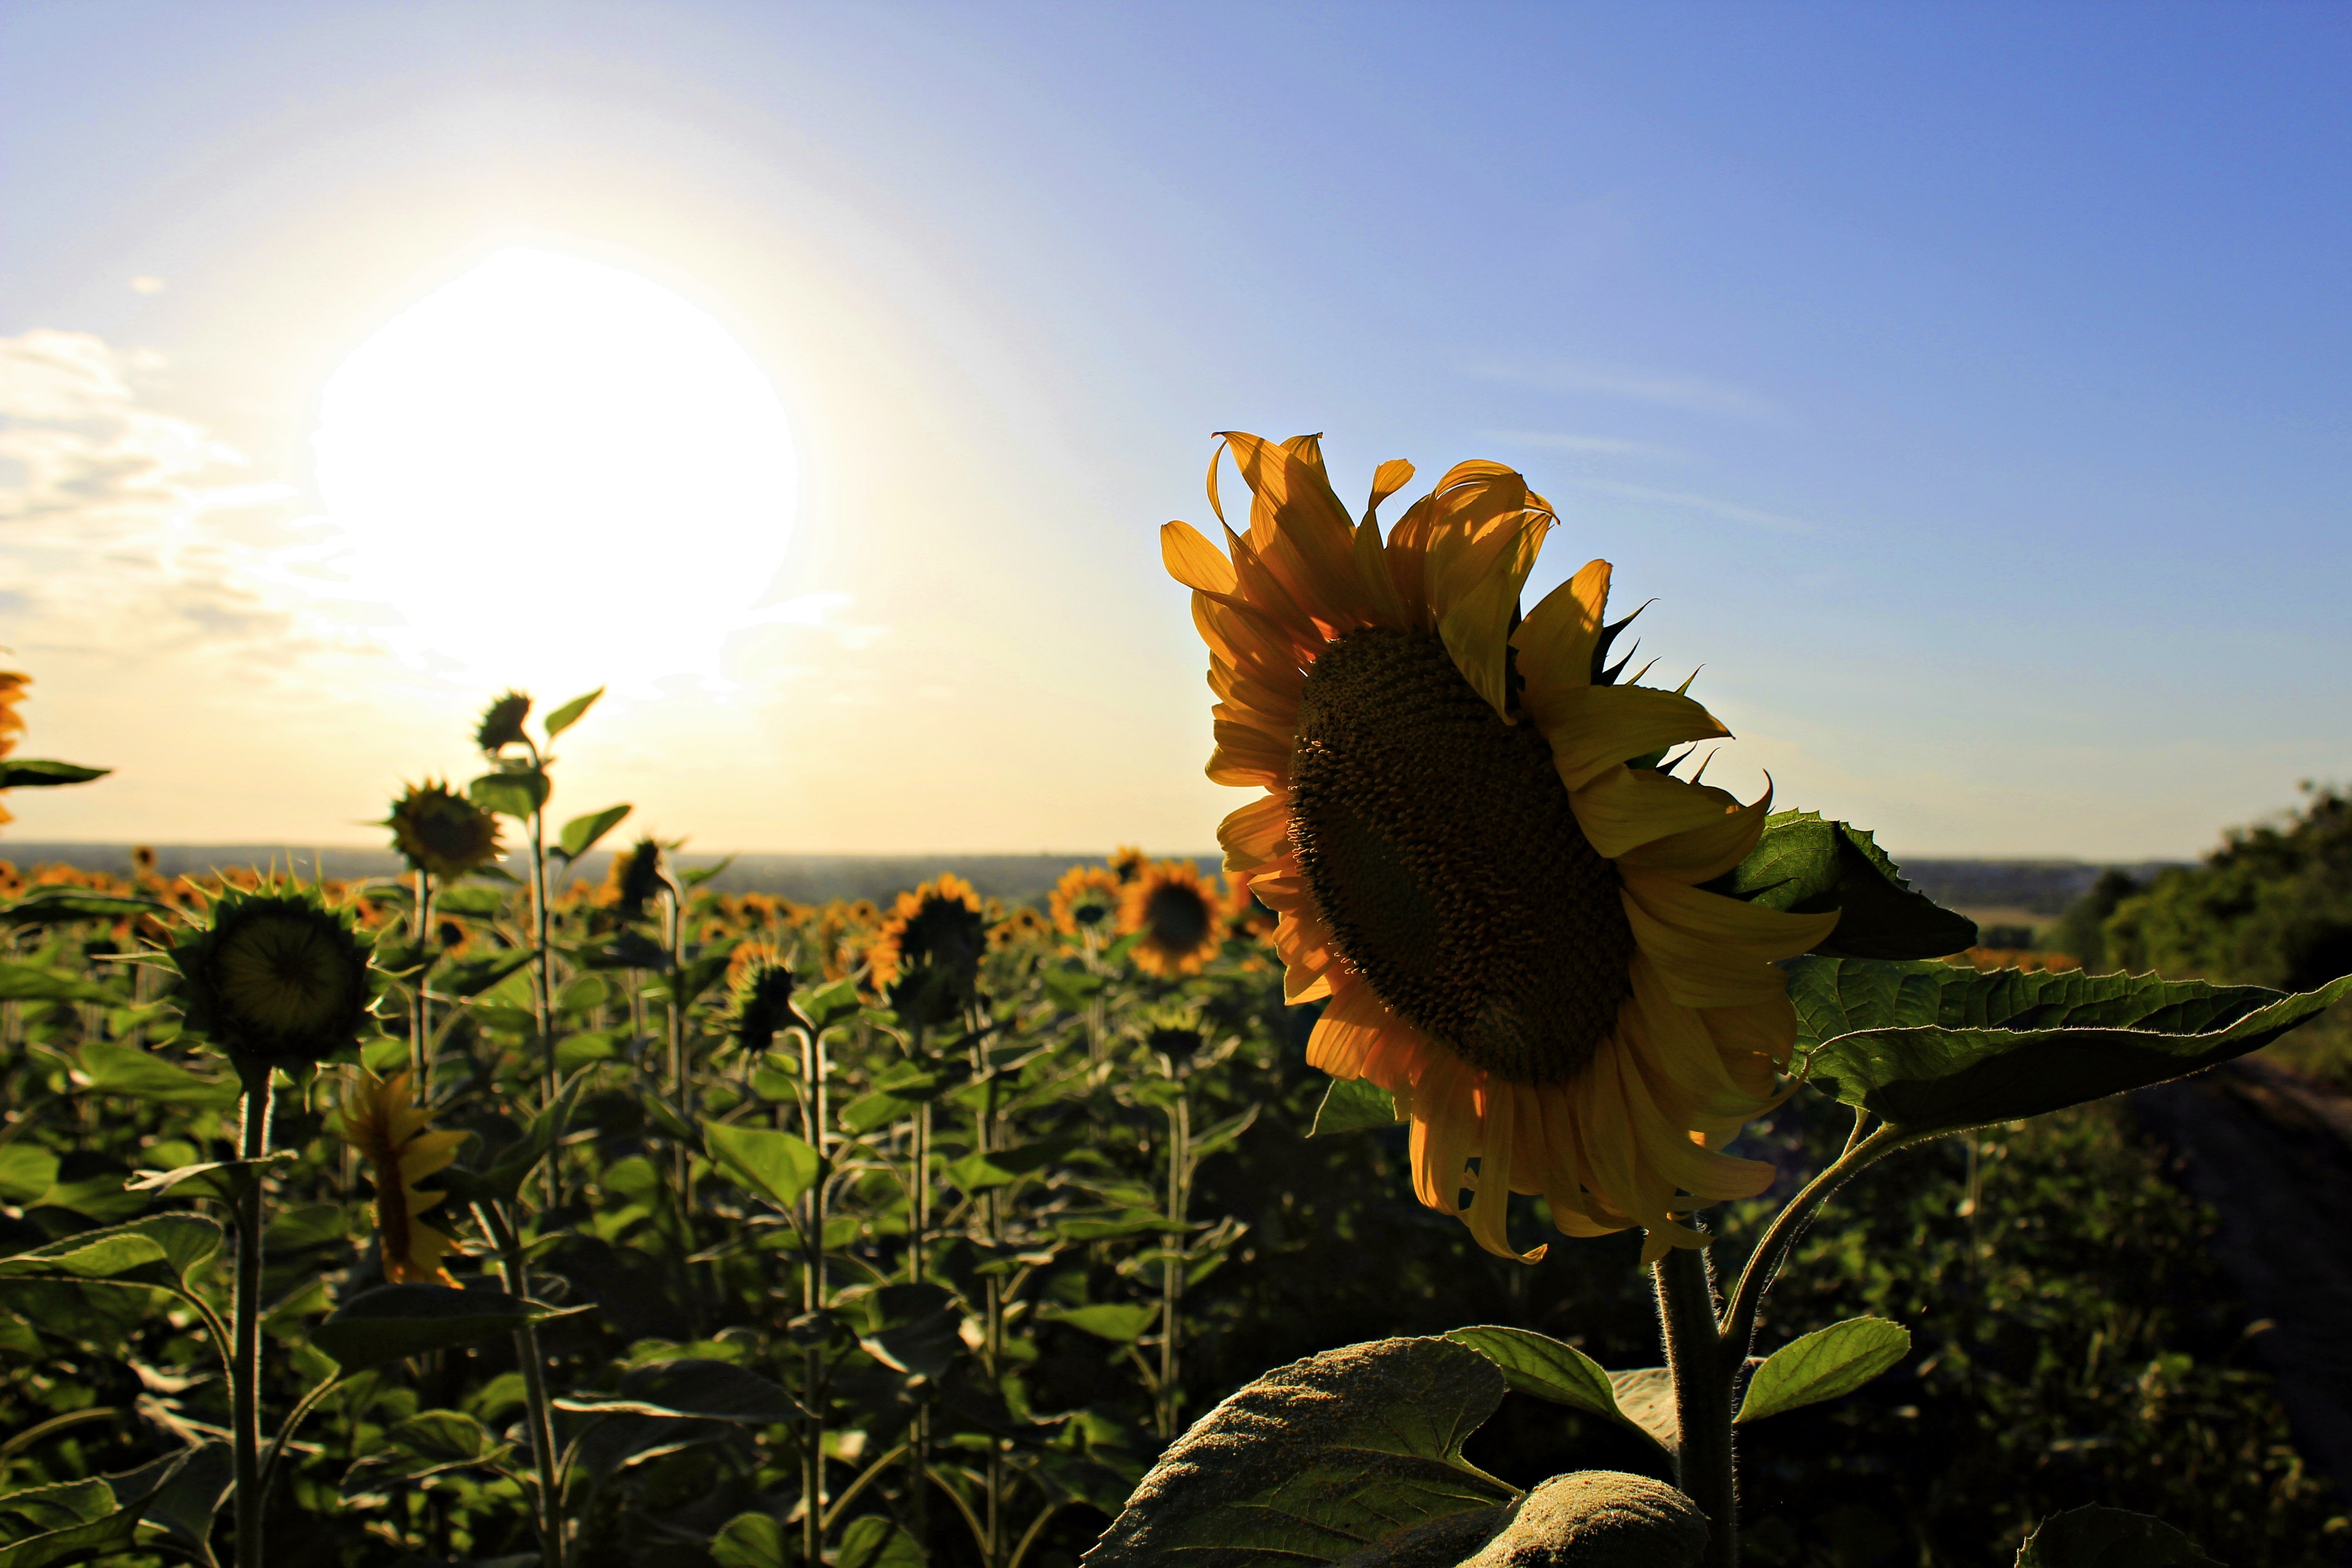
pixel 559 474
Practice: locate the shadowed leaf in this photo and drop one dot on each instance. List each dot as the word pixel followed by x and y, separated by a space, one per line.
pixel 1823 1365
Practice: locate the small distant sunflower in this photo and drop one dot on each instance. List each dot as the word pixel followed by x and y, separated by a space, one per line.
pixel 12 723
pixel 1025 927
pixel 1085 902
pixel 1177 912
pixel 501 724
pixel 1128 863
pixel 392 1132
pixel 1473 858
pixel 441 833
pixel 759 995
pixel 276 976
pixel 927 956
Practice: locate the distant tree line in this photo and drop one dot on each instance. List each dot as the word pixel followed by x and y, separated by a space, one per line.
pixel 2271 907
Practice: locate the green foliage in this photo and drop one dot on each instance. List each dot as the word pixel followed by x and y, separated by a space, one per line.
pixel 1823 1365
pixel 2095 1537
pixel 1806 866
pixel 2271 907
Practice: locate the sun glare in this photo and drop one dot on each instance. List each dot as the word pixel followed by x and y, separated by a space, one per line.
pixel 558 474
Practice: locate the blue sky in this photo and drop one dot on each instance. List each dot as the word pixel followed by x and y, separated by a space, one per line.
pixel 1967 383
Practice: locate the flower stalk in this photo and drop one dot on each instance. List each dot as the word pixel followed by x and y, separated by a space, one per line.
pixel 538 1412
pixel 245 1359
pixel 1705 1466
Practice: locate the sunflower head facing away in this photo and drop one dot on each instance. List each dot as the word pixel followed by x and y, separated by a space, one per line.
pixel 1177 913
pixel 1473 856
pixel 501 724
pixel 1085 902
pixel 637 878
pixel 927 957
pixel 394 1134
pixel 276 975
pixel 759 995
pixel 441 833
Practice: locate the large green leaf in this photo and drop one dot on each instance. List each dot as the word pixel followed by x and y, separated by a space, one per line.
pixel 772 1165
pixel 1534 1364
pixel 1808 866
pixel 393 1321
pixel 752 1540
pixel 1117 1322
pixel 1837 997
pixel 158 1250
pixel 1926 1080
pixel 2100 1537
pixel 1319 1460
pixel 515 794
pixel 430 1443
pixel 1352 1104
pixel 873 1541
pixel 1823 1365
pixel 110 1067
pixel 79 1520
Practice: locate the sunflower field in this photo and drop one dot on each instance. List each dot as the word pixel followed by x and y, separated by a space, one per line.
pixel 490 1214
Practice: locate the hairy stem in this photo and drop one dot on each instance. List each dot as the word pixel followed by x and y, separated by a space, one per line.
pixel 1704 1464
pixel 538 1415
pixel 1738 1332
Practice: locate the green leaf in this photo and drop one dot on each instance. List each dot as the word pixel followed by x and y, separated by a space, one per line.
pixel 474 903
pixel 87 1519
pixel 1322 1459
pixel 564 718
pixel 393 1321
pixel 99 1255
pixel 222 1179
pixel 753 1541
pixel 1836 996
pixel 1808 866
pixel 576 1051
pixel 184 1505
pixel 31 982
pixel 1823 1365
pixel 873 1541
pixel 1120 1323
pixel 110 1067
pixel 1352 1104
pixel 1924 1080
pixel 1535 1364
pixel 472 976
pixel 28 773
pixel 777 1166
pixel 2100 1537
pixel 691 1390
pixel 695 876
pixel 515 794
pixel 832 1003
pixel 580 834
pixel 431 1443
pixel 26 1171
pixel 57 906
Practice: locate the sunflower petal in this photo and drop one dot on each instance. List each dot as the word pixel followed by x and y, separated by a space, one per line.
pixel 1351 1026
pixel 1255 834
pixel 1624 809
pixel 1248 755
pixel 1192 561
pixel 1594 728
pixel 1702 854
pixel 1490 1206
pixel 1445 1130
pixel 1556 639
pixel 1387 480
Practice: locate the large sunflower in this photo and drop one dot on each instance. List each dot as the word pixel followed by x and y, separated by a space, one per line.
pixel 1473 858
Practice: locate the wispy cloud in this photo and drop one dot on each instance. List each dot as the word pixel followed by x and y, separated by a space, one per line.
pixel 1727 511
pixel 130 534
pixel 1700 395
pixel 1597 446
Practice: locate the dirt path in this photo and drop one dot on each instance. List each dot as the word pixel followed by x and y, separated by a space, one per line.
pixel 2273 1153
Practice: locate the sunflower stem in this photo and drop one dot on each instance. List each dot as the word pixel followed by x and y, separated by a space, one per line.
pixel 540 1422
pixel 814 1071
pixel 1738 1331
pixel 245 1361
pixel 420 1022
pixel 1705 1466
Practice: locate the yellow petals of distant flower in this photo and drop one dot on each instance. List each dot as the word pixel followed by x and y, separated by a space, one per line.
pixel 1085 901
pixel 1502 912
pixel 393 1134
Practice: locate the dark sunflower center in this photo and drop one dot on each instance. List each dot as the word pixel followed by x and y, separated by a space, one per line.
pixel 1177 917
pixel 1441 850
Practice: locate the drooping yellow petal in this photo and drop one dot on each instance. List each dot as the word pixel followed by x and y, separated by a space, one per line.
pixel 1556 639
pixel 1702 854
pixel 1387 480
pixel 1256 835
pixel 1594 728
pixel 1192 561
pixel 1624 809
